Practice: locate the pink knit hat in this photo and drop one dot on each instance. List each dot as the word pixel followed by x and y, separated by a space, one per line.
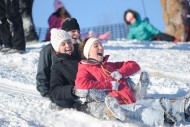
pixel 58 4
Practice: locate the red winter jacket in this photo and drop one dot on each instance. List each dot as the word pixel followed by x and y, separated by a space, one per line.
pixel 92 76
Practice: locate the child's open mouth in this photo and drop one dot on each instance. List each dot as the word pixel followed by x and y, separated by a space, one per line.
pixel 100 54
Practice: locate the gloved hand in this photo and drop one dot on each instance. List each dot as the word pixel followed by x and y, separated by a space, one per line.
pixel 80 107
pixel 115 85
pixel 74 91
pixel 116 75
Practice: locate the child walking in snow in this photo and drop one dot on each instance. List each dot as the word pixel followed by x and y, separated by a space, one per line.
pixel 103 85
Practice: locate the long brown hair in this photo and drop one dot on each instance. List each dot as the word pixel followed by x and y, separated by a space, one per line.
pixel 58 13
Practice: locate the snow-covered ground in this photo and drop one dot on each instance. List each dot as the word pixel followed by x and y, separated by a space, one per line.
pixel 21 105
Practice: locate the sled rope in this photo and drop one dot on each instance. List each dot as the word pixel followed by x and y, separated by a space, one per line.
pixel 108 73
pixel 122 97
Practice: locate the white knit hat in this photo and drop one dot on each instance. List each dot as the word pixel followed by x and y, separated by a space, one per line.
pixel 88 45
pixel 57 37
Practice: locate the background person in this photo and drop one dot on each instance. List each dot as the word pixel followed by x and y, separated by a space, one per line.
pixel 56 19
pixel 143 30
pixel 11 27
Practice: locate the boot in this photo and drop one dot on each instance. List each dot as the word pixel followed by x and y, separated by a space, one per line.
pixel 182 105
pixel 131 84
pixel 168 120
pixel 141 88
pixel 167 107
pixel 5 49
pixel 14 51
pixel 116 110
pixel 187 108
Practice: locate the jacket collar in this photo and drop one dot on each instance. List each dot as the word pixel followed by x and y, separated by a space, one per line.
pixel 95 62
pixel 63 56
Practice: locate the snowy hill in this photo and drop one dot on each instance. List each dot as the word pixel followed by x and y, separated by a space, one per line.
pixel 21 105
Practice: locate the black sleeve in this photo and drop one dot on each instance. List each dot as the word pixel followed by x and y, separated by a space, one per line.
pixel 59 86
pixel 43 73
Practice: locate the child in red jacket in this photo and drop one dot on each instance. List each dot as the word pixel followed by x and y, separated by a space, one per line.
pixel 97 73
pixel 104 83
pixel 96 77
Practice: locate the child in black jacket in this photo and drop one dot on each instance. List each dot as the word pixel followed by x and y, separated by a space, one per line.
pixel 63 72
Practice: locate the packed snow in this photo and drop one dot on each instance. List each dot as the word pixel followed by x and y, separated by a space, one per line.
pixel 22 106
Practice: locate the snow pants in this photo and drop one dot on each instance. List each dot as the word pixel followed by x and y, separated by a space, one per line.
pixel 148 111
pixel 151 112
pixel 163 37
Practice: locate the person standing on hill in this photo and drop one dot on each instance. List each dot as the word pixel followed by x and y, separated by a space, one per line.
pixel 56 19
pixel 11 27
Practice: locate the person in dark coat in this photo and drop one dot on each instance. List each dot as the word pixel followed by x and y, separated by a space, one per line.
pixel 63 72
pixel 48 57
pixel 11 27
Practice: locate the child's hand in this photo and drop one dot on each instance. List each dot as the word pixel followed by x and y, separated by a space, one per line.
pixel 116 75
pixel 115 85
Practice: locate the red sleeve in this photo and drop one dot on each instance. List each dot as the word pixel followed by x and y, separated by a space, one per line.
pixel 116 65
pixel 84 80
pixel 129 68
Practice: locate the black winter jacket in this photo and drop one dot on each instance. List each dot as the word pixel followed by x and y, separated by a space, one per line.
pixel 46 60
pixel 63 76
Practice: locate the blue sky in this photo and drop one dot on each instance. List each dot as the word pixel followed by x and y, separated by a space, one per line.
pixel 99 12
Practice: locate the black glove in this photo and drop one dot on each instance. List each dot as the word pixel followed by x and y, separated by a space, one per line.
pixel 73 91
pixel 80 107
